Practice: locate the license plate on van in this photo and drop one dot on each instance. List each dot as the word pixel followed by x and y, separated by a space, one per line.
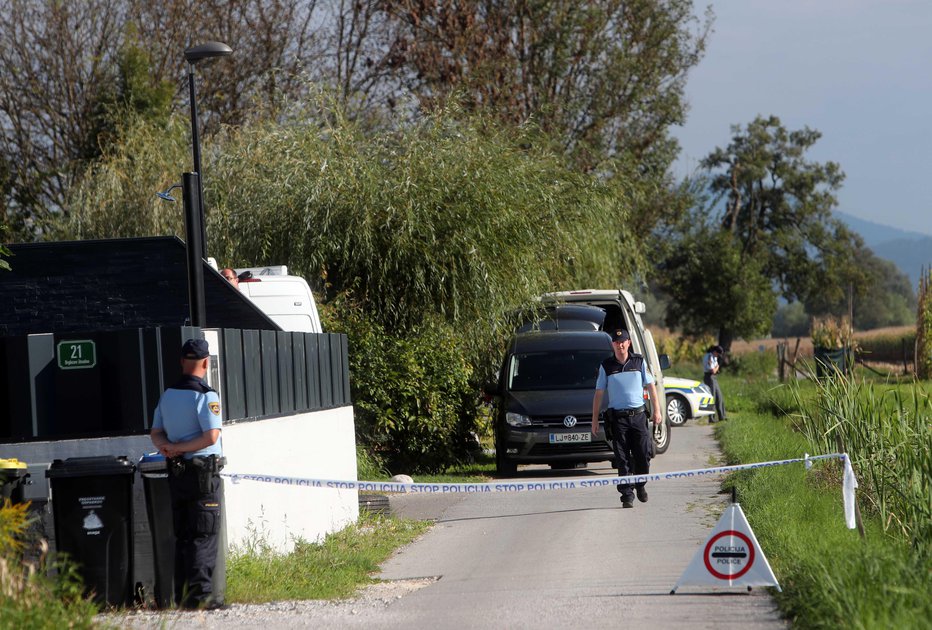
pixel 570 438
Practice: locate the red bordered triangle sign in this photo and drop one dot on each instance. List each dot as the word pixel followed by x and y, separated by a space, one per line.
pixel 730 557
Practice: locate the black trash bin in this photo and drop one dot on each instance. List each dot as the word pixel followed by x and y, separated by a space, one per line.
pixel 92 508
pixel 13 477
pixel 154 472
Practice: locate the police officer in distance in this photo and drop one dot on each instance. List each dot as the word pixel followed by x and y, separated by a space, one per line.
pixel 624 377
pixel 186 430
pixel 711 364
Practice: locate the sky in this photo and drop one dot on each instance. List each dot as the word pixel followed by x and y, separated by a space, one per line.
pixel 858 71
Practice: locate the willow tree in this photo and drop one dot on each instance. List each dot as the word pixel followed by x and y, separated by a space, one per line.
pixel 452 215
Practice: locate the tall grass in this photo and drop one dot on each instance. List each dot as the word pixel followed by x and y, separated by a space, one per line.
pixel 887 432
pixel 28 597
pixel 831 578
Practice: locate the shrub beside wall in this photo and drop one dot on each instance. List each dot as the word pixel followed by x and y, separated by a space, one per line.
pixel 414 404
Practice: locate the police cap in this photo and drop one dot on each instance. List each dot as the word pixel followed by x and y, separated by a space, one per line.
pixel 195 349
pixel 620 335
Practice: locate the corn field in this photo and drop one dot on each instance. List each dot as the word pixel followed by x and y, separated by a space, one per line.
pixel 924 327
pixel 887 432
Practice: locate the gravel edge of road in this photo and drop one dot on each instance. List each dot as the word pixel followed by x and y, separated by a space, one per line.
pixel 270 614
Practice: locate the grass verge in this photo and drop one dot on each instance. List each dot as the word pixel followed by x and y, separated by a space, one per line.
pixel 334 568
pixel 831 578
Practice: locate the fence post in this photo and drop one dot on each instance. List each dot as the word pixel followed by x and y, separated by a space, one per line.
pixel 781 360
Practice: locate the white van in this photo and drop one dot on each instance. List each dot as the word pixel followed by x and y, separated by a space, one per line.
pixel 287 300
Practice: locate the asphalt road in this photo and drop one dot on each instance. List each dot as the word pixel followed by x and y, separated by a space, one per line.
pixel 571 558
pixel 543 559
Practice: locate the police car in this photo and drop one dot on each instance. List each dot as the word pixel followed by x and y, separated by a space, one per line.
pixel 687 399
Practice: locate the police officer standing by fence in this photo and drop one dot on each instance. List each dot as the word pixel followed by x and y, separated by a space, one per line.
pixel 186 430
pixel 624 376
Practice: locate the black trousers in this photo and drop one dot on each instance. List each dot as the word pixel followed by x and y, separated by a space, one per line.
pixel 631 443
pixel 712 382
pixel 196 516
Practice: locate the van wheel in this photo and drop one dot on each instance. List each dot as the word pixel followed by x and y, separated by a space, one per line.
pixel 504 466
pixel 662 437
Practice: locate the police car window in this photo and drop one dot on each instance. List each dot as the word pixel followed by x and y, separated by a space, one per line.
pixel 558 369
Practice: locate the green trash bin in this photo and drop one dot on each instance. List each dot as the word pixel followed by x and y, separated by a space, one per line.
pixel 13 475
pixel 832 361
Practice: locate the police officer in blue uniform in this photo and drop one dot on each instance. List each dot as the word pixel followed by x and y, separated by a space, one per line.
pixel 624 376
pixel 711 364
pixel 186 430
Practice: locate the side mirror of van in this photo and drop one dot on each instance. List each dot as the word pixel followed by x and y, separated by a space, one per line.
pixel 664 361
pixel 640 308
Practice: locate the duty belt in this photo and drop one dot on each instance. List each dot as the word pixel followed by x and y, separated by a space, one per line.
pixel 208 463
pixel 622 413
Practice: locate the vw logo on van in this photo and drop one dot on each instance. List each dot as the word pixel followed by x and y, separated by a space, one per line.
pixel 569 421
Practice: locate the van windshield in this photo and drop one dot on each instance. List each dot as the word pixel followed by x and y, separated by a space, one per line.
pixel 554 369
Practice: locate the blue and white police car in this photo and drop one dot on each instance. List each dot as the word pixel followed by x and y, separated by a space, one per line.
pixel 687 399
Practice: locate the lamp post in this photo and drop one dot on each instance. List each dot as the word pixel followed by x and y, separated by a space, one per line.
pixel 193 254
pixel 193 55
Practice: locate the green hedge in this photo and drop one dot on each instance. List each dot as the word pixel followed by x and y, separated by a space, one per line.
pixel 412 393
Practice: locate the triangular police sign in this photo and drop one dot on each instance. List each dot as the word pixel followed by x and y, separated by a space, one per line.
pixel 730 557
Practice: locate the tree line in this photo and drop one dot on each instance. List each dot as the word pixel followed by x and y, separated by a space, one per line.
pixel 430 166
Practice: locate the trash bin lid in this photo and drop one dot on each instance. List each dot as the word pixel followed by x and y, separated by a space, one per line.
pixel 90 467
pixel 152 462
pixel 11 470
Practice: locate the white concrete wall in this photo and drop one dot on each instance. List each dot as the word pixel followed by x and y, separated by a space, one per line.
pixel 319 444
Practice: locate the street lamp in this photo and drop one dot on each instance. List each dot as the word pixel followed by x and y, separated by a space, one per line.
pixel 194 55
pixel 193 252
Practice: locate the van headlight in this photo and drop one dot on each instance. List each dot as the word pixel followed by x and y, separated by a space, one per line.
pixel 517 419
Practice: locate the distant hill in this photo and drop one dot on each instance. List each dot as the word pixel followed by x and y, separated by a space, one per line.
pixel 910 251
pixel 908 254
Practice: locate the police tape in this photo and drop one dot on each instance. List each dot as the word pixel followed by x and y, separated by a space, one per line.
pixel 849 483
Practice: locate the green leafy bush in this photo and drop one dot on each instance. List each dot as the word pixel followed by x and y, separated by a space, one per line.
pixel 412 392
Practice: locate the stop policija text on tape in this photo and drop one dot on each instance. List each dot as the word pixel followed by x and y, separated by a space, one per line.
pixel 509 486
